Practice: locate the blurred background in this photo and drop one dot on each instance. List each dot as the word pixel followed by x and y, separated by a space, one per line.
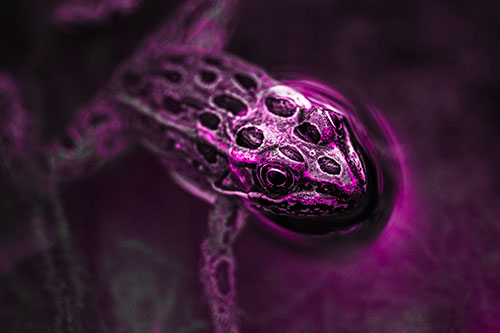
pixel 130 262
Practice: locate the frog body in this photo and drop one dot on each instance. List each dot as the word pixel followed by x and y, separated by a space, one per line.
pixel 296 153
pixel 228 128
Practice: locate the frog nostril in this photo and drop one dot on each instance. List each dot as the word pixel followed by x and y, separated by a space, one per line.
pixel 250 137
pixel 329 165
pixel 307 132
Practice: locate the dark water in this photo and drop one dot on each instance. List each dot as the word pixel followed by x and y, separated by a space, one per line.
pixel 131 264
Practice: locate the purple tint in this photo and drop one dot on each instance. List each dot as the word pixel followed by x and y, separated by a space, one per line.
pixel 118 249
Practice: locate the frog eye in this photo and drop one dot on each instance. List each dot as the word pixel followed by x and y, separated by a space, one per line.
pixel 275 178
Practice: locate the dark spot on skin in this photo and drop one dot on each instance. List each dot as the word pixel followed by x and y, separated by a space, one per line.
pixel 280 107
pixel 250 137
pixel 208 76
pixel 229 103
pixel 222 278
pixel 307 132
pixel 292 154
pixel 193 103
pixel 247 82
pixel 67 142
pixel 172 76
pixel 208 152
pixel 98 119
pixel 212 61
pixel 209 120
pixel 172 105
pixel 328 165
pixel 131 78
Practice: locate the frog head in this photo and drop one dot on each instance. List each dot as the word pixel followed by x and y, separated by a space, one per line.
pixel 302 164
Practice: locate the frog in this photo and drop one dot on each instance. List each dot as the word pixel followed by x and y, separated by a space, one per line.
pixel 292 153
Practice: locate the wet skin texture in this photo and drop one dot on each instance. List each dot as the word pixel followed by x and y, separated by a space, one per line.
pixel 425 64
pixel 227 128
pixel 233 130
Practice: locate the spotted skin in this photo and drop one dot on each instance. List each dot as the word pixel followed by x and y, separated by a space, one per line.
pixel 232 129
pixel 229 133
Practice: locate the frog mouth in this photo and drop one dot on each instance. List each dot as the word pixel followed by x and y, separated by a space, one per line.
pixel 309 220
